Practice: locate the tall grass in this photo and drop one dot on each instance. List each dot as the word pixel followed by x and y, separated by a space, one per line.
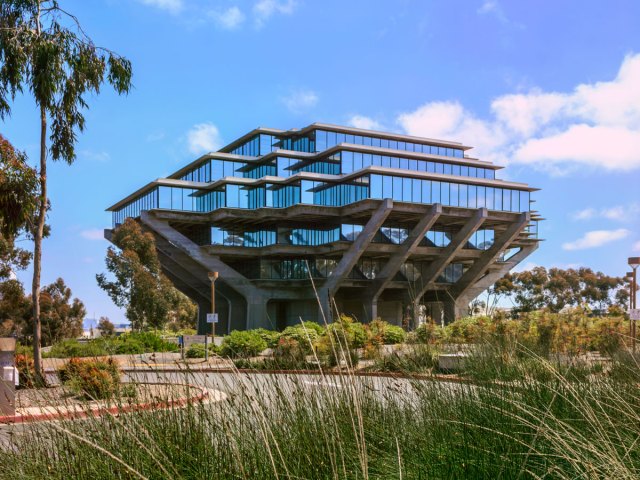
pixel 349 427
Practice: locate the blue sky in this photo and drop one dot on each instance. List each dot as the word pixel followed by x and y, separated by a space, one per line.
pixel 549 89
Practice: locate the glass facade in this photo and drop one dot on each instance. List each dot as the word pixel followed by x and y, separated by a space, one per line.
pixel 354 161
pixel 325 139
pixel 331 190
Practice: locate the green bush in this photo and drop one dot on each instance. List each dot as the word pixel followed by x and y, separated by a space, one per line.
pixel 271 337
pixel 306 334
pixel 428 332
pixel 393 335
pixel 96 379
pixel 242 344
pixel 150 342
pixel 74 348
pixel 197 350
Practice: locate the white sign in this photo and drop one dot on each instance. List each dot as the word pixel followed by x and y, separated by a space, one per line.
pixel 634 314
pixel 188 340
pixel 212 318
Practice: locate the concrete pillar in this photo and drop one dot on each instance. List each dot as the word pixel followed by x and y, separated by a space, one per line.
pixel 257 313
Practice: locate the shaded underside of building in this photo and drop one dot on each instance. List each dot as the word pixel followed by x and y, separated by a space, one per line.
pixel 307 224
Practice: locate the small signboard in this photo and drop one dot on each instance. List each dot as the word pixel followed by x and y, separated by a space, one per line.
pixel 212 318
pixel 188 340
pixel 634 314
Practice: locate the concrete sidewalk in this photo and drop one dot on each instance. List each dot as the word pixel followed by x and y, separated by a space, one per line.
pixel 151 360
pixel 104 407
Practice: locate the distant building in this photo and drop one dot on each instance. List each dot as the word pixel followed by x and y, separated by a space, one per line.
pixel 378 224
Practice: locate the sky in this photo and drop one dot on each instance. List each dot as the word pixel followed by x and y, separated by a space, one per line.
pixel 548 89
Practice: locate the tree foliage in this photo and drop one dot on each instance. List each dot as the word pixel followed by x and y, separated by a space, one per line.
pixel 556 289
pixel 106 327
pixel 18 202
pixel 44 50
pixel 62 316
pixel 138 283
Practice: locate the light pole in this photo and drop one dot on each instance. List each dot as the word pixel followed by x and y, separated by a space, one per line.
pixel 213 276
pixel 634 263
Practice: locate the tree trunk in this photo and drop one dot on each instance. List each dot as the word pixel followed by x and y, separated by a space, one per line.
pixel 37 250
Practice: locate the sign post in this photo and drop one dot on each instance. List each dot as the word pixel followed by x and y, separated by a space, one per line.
pixel 8 378
pixel 213 276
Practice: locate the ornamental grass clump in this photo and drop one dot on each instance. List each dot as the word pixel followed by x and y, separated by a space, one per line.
pixel 95 379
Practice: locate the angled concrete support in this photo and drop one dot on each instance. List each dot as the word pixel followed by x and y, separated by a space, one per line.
pixel 489 256
pixel 398 258
pixel 467 287
pixel 457 243
pixel 493 276
pixel 237 283
pixel 350 258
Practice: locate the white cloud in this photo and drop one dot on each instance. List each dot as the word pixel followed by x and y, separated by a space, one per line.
pixel 586 214
pixel 492 7
pixel 595 125
pixel 636 247
pixel 92 234
pixel 203 138
pixel 228 19
pixel 263 10
pixel 596 238
pixel 367 123
pixel 619 213
pixel 300 100
pixel 101 156
pixel 171 6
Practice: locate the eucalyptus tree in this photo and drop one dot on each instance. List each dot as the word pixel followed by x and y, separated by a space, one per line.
pixel 44 50
pixel 18 200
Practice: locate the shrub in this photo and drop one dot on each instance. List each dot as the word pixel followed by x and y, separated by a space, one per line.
pixel 96 379
pixel 197 350
pixel 393 335
pixel 129 346
pixel 242 344
pixel 271 337
pixel 26 370
pixel 381 332
pixel 289 350
pixel 74 348
pixel 306 334
pixel 348 332
pixel 150 342
pixel 428 332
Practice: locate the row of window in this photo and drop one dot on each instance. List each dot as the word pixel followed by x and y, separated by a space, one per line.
pixel 365 269
pixel 381 186
pixel 212 170
pixel 448 193
pixel 256 146
pixel 326 139
pixel 354 161
pixel 241 238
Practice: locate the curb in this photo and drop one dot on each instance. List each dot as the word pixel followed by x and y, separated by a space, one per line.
pixel 99 411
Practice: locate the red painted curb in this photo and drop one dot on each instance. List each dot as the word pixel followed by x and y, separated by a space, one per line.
pixel 94 413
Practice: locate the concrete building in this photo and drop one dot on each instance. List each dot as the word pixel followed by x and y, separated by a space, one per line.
pixel 305 223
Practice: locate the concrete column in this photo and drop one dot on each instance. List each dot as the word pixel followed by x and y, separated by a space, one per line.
pixel 397 259
pixel 350 258
pixel 257 313
pixel 489 256
pixel 458 242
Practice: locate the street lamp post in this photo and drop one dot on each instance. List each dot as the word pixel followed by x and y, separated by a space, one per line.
pixel 213 276
pixel 634 263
